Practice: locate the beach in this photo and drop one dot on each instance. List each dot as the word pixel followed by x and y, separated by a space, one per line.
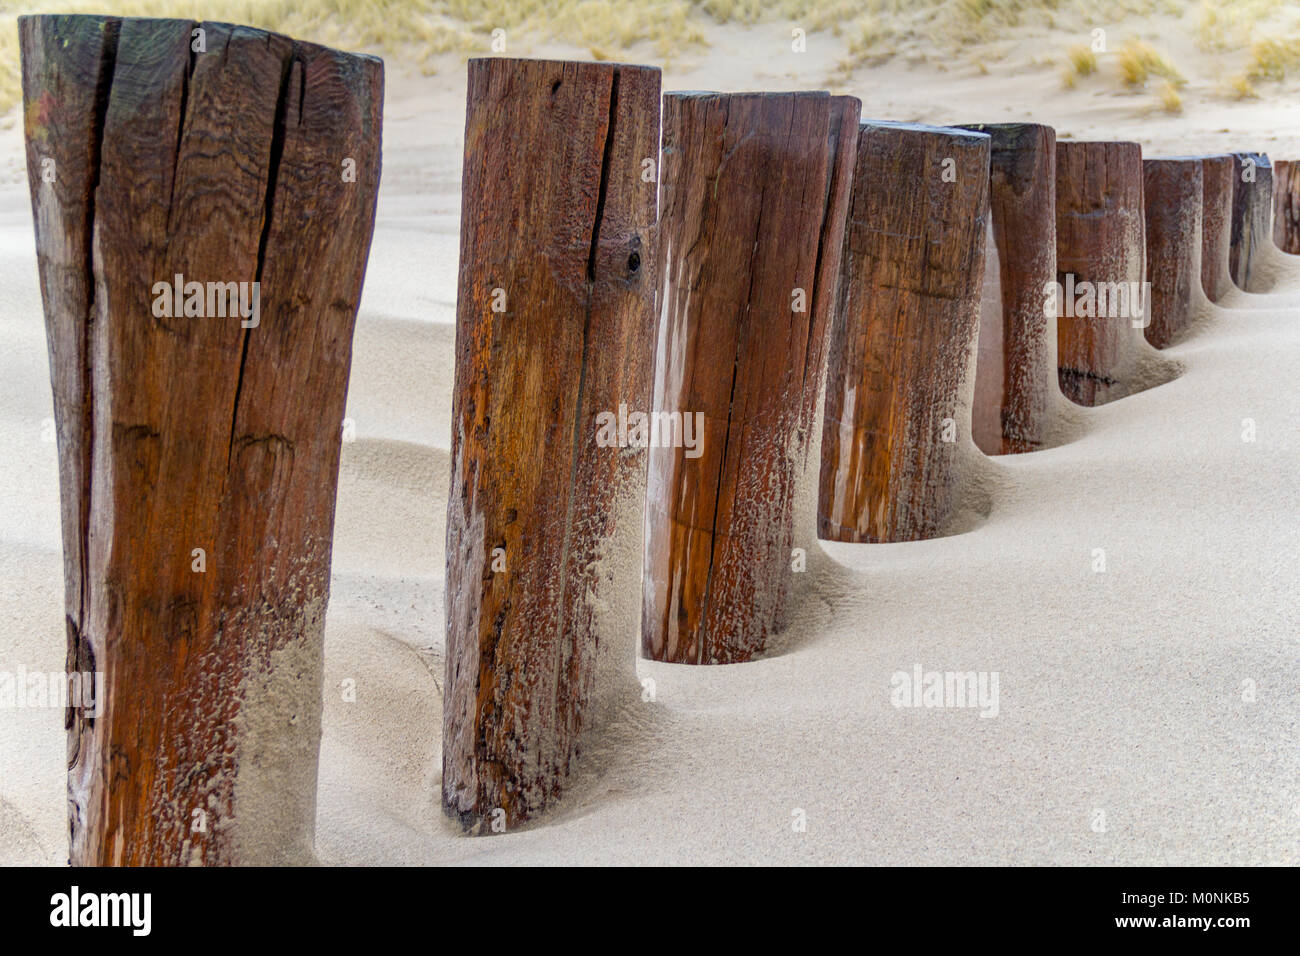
pixel 1146 714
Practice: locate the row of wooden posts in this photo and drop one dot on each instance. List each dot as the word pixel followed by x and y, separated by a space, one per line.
pixel 806 286
pixel 766 202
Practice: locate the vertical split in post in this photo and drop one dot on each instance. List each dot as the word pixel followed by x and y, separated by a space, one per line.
pixel 1252 228
pixel 1286 206
pixel 553 342
pixel 1015 377
pixel 900 380
pixel 202 249
pixel 1172 191
pixel 754 196
pixel 1100 248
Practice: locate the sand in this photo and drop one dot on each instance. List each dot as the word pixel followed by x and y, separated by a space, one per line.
pixel 1125 730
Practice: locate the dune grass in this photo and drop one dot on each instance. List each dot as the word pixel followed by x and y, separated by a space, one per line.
pixel 1272 58
pixel 416 30
pixel 1171 101
pixel 1222 25
pixel 1082 59
pixel 419 32
pixel 1240 88
pixel 10 89
pixel 1139 60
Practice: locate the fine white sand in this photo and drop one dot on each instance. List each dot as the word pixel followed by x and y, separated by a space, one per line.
pixel 1124 731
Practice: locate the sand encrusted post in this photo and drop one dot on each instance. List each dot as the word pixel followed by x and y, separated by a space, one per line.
pixel 755 192
pixel 1172 191
pixel 198 422
pixel 1217 173
pixel 1015 378
pixel 554 320
pixel 1286 206
pixel 900 382
pixel 1100 247
pixel 1252 227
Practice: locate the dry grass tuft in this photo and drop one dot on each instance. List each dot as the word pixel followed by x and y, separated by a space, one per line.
pixel 10 87
pixel 1271 58
pixel 1222 25
pixel 1082 59
pixel 1240 88
pixel 1139 60
pixel 1171 101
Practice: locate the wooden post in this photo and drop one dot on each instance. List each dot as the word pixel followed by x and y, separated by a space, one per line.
pixel 1172 191
pixel 553 337
pixel 755 192
pixel 901 375
pixel 1015 377
pixel 198 423
pixel 1099 265
pixel 1252 229
pixel 1286 206
pixel 1217 173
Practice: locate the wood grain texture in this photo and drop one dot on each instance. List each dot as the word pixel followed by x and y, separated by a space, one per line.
pixel 754 192
pixel 1099 241
pixel 901 349
pixel 1016 378
pixel 559 218
pixel 1286 206
pixel 1217 173
pixel 1172 191
pixel 186 432
pixel 1252 226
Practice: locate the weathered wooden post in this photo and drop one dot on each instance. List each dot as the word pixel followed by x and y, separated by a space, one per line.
pixel 1286 206
pixel 204 197
pixel 754 197
pixel 901 370
pixel 1252 211
pixel 1015 377
pixel 1217 174
pixel 1099 263
pixel 553 341
pixel 1172 191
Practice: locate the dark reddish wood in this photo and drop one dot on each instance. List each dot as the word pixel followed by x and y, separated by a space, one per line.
pixel 195 432
pixel 755 193
pixel 1286 206
pixel 901 349
pixel 1172 191
pixel 1099 241
pixel 1252 227
pixel 557 215
pixel 1015 378
pixel 1217 173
